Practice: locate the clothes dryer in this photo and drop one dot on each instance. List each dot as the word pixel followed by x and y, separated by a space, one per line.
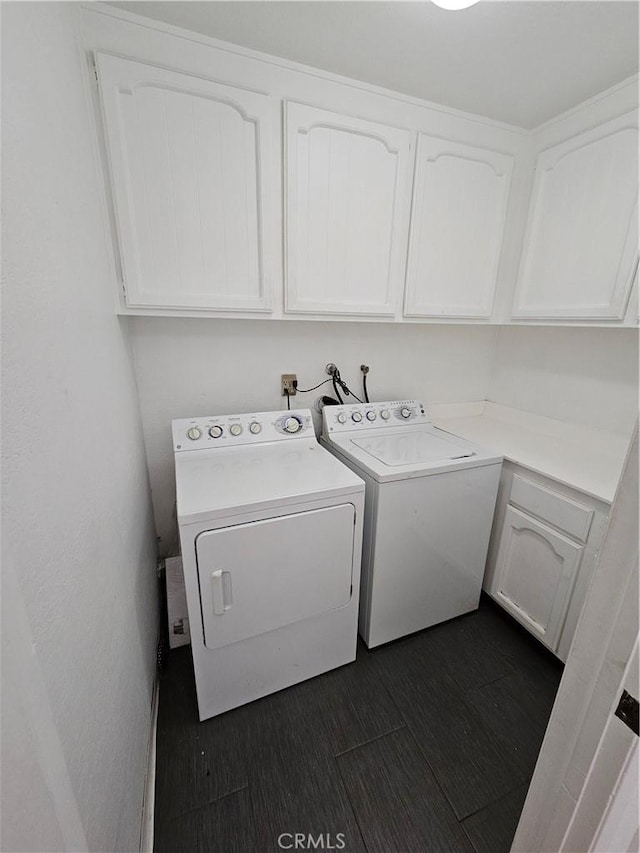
pixel 271 533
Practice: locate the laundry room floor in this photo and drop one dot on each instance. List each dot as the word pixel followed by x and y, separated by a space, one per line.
pixel 427 744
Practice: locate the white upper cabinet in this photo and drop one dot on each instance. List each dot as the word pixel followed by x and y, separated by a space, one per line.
pixel 362 208
pixel 460 198
pixel 191 176
pixel 581 247
pixel 347 183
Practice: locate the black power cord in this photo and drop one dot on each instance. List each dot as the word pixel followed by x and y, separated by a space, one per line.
pixel 338 380
pixel 338 383
pixel 335 389
pixel 306 390
pixel 303 390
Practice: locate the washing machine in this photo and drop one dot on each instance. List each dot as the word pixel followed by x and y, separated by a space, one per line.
pixel 271 534
pixel 430 499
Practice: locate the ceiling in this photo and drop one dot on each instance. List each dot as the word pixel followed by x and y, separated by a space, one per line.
pixel 518 61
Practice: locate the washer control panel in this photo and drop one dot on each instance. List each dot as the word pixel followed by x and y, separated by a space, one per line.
pixel 231 430
pixel 367 416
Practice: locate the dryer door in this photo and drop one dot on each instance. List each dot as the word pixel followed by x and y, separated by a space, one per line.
pixel 262 575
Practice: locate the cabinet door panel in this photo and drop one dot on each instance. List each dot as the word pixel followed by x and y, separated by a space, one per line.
pixel 346 212
pixel 190 172
pixel 459 205
pixel 581 248
pixel 535 572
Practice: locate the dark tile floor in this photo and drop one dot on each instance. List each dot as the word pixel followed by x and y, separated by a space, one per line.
pixel 427 744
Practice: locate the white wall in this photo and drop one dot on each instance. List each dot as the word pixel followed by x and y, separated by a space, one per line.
pixel 201 366
pixel 195 366
pixel 583 376
pixel 77 521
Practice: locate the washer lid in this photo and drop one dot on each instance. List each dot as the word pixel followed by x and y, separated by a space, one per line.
pixel 412 447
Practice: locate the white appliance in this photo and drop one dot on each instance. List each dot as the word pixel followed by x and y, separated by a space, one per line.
pixel 430 498
pixel 271 534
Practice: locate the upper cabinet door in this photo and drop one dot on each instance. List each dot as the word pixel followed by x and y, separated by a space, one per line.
pixel 460 198
pixel 581 248
pixel 190 170
pixel 347 200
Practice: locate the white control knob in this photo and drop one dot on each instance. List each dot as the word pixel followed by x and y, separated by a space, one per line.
pixel 406 413
pixel 342 418
pixel 215 431
pixel 235 429
pixel 357 417
pixel 371 415
pixel 254 427
pixel 384 414
pixel 292 425
pixel 194 433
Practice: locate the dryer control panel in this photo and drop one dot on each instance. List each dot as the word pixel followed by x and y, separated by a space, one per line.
pixel 231 430
pixel 368 416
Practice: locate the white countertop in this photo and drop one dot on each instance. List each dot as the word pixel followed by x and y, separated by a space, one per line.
pixel 585 459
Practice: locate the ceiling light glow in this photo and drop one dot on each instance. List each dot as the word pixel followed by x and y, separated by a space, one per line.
pixel 455 5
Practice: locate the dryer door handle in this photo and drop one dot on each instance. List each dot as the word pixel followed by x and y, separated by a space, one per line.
pixel 221 592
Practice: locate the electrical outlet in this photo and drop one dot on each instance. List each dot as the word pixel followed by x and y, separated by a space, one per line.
pixel 289 382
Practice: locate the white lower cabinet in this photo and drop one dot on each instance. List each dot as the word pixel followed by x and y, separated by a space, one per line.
pixel 544 547
pixel 535 572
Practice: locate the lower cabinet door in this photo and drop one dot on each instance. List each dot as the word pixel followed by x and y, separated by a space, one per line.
pixel 263 575
pixel 535 572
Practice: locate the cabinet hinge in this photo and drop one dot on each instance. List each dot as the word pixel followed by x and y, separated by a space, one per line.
pixel 627 711
pixel 124 288
pixel 95 72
